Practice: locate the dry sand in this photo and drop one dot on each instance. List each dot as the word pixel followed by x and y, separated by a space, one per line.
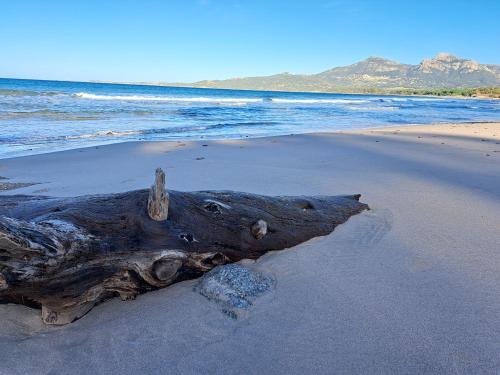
pixel 410 287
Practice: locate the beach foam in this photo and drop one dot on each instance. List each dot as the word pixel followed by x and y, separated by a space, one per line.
pixel 84 95
pixel 320 101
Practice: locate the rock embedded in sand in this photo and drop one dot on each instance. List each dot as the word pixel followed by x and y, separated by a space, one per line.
pixel 233 287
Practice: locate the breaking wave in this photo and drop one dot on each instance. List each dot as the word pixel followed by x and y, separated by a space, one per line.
pixel 171 130
pixel 138 132
pixel 202 99
pixel 320 101
pixel 142 98
pixel 414 99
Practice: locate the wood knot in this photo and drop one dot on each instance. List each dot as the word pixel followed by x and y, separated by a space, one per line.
pixel 158 198
pixel 259 229
pixel 49 316
pixel 166 269
pixel 215 206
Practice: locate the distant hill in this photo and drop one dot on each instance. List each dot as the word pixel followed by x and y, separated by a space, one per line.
pixel 374 73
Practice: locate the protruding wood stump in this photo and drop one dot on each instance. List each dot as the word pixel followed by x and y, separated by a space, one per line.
pixel 67 254
pixel 158 198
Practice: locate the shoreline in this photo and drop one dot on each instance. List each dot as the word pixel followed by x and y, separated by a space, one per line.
pixel 414 283
pixel 366 129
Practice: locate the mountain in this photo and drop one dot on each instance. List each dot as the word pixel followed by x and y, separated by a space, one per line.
pixel 374 73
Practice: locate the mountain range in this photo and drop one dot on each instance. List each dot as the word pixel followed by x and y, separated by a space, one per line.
pixel 375 73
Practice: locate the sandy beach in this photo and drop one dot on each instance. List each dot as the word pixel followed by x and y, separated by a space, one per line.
pixel 410 287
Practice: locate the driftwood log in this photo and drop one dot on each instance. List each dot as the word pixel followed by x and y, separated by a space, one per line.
pixel 65 255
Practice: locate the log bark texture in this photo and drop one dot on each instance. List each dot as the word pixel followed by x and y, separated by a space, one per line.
pixel 65 255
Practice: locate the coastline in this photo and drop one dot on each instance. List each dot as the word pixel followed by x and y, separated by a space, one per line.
pixel 204 140
pixel 180 85
pixel 31 174
pixel 348 92
pixel 411 285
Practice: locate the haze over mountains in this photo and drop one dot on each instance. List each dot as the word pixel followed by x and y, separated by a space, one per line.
pixel 443 71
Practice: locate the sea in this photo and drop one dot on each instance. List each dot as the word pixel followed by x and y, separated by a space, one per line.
pixel 44 116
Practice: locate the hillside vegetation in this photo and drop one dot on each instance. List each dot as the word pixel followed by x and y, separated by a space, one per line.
pixel 479 92
pixel 444 74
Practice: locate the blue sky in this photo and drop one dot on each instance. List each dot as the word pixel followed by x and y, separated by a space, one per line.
pixel 183 41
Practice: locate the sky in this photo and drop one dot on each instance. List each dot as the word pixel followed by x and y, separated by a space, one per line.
pixel 190 40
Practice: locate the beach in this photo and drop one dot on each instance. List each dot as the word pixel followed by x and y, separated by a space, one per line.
pixel 410 286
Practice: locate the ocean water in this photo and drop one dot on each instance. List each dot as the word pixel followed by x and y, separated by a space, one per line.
pixel 43 116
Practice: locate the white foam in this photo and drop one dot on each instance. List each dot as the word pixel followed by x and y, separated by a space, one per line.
pixel 236 101
pixel 427 99
pixel 321 101
pixel 412 99
pixel 105 133
pixel 229 101
pixel 371 108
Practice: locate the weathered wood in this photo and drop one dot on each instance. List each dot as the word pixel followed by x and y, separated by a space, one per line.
pixel 67 254
pixel 158 198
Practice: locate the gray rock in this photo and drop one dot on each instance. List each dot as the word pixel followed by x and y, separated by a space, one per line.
pixel 233 287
